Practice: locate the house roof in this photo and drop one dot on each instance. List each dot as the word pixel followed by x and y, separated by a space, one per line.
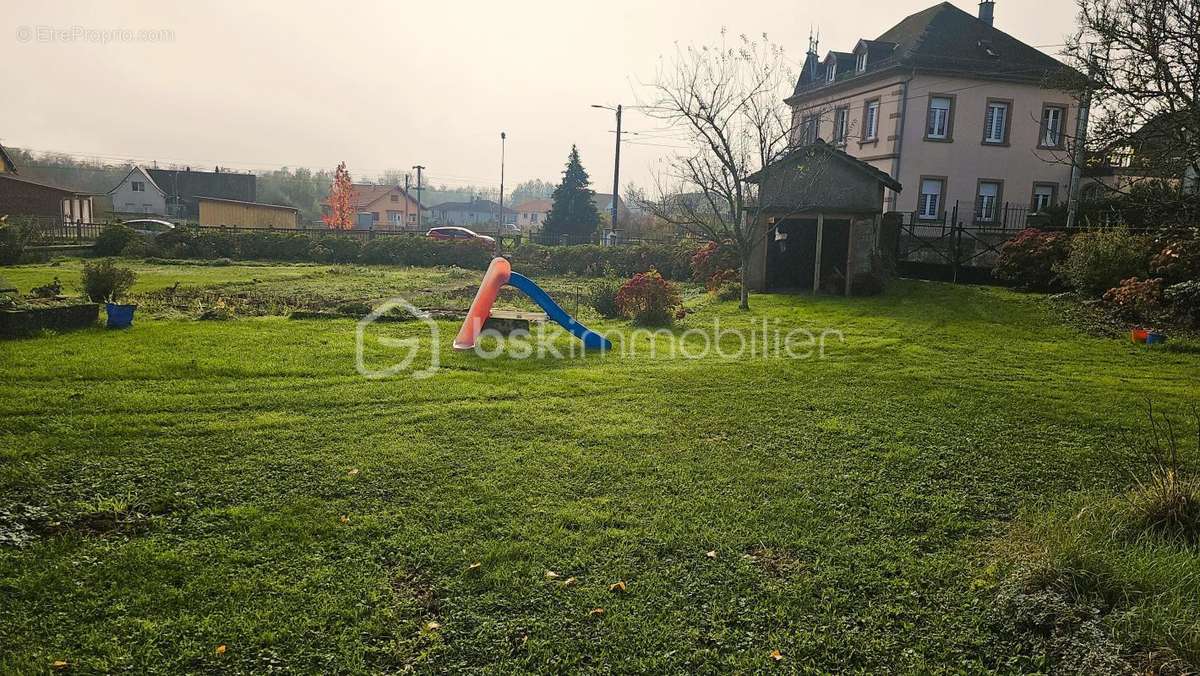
pixel 137 168
pixel 528 206
pixel 366 194
pixel 824 148
pixel 7 160
pixel 40 184
pixel 945 39
pixel 244 203
pixel 479 206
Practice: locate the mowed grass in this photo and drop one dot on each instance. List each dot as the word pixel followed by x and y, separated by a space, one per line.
pixel 194 486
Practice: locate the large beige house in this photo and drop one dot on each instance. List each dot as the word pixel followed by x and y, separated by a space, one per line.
pixel 953 108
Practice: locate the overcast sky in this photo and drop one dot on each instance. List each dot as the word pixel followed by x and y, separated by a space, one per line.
pixel 258 85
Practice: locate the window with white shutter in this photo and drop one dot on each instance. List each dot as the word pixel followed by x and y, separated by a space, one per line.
pixel 929 202
pixel 871 120
pixel 939 118
pixel 995 123
pixel 841 123
pixel 1052 126
pixel 1043 196
pixel 986 201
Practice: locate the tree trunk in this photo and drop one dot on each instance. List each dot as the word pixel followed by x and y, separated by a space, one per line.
pixel 745 301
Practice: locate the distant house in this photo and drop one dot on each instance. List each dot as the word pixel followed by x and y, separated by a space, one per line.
pixel 1155 152
pixel 217 211
pixel 7 166
pixel 531 214
pixel 183 186
pixel 137 193
pixel 22 197
pixel 475 212
pixel 604 201
pixel 386 207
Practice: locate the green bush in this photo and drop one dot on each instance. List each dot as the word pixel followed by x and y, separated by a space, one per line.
pixel 1184 299
pixel 673 261
pixel 1098 261
pixel 12 243
pixel 104 281
pixel 113 239
pixel 603 297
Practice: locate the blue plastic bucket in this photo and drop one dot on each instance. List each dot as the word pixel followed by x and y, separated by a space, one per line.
pixel 1156 338
pixel 120 316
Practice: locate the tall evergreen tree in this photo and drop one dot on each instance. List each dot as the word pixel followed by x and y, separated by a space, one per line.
pixel 573 212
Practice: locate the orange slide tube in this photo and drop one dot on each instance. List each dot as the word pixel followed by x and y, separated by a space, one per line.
pixel 481 308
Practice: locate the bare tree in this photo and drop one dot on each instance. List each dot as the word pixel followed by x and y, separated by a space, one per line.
pixel 725 103
pixel 1144 58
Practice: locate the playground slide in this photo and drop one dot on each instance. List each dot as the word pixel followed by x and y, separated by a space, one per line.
pixel 591 340
pixel 498 274
pixel 481 308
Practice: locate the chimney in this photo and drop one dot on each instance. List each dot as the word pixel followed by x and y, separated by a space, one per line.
pixel 987 10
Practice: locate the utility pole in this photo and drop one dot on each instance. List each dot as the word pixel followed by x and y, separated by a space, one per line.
pixel 1077 152
pixel 616 167
pixel 406 201
pixel 419 169
pixel 500 216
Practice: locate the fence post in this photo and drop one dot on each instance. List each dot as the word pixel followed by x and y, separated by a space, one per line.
pixel 955 241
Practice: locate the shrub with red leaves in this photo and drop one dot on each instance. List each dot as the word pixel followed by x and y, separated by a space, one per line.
pixel 1136 298
pixel 649 299
pixel 1028 260
pixel 715 264
pixel 1179 260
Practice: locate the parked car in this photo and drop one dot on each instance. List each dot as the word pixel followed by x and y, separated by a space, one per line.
pixel 149 226
pixel 454 232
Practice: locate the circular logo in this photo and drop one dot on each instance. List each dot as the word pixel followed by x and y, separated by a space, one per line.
pixel 24 33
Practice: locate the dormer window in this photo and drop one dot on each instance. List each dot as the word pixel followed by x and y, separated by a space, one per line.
pixel 831 72
pixel 861 64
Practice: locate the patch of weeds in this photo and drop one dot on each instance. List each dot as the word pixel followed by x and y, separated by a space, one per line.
pixel 1165 497
pixel 19 524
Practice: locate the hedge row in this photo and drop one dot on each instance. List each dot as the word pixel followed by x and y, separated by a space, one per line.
pixel 672 261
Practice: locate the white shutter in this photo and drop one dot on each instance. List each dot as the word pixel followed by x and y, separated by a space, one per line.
pixel 939 117
pixel 929 203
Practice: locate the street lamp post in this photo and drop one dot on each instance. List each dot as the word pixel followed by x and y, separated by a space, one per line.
pixel 616 165
pixel 500 216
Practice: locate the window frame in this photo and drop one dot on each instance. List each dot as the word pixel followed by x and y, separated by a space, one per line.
pixel 1062 123
pixel 810 125
pixel 998 200
pixel 945 183
pixel 949 137
pixel 860 63
pixel 987 110
pixel 841 118
pixel 870 135
pixel 137 186
pixel 831 70
pixel 1033 208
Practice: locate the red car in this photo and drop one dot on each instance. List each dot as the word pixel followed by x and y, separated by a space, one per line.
pixel 457 233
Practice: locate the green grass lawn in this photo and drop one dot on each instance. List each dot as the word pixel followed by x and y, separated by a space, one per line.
pixel 187 484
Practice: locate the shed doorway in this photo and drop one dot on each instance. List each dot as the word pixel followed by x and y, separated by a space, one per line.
pixel 789 255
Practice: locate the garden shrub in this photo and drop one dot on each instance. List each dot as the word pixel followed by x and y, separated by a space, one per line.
pixel 728 290
pixel 335 250
pixel 105 281
pixel 113 239
pixel 648 299
pixel 1184 299
pixel 1136 298
pixel 673 261
pixel 1098 261
pixel 1178 260
pixel 602 296
pixel 12 243
pixel 137 248
pixel 1029 261
pixel 715 264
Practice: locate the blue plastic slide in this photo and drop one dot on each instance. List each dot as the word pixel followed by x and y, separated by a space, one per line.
pixel 591 340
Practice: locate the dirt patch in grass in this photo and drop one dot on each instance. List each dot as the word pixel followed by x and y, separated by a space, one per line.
pixel 776 562
pixel 416 587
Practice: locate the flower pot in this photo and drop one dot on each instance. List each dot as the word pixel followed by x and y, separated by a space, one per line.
pixel 119 316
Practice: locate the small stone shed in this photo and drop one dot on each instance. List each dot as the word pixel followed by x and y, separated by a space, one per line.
pixel 820 220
